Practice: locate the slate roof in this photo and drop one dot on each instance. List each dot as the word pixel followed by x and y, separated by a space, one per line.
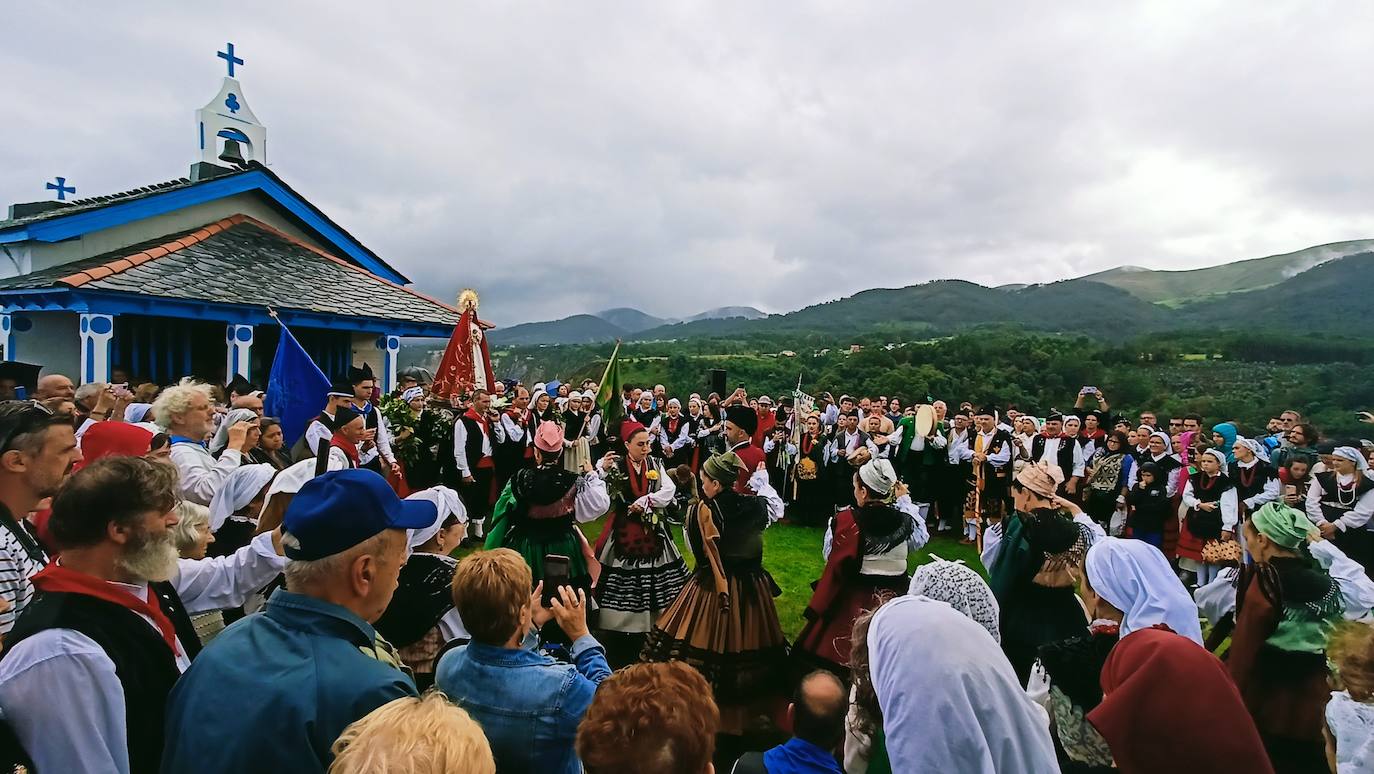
pixel 211 263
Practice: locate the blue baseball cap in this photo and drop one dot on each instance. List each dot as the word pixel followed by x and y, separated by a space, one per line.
pixel 338 510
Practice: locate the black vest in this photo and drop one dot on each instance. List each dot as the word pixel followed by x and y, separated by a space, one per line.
pixel 1260 474
pixel 146 669
pixel 369 416
pixel 1064 457
pixel 1332 507
pixel 473 444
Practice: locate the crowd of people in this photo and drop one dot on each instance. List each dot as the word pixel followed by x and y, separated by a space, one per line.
pixel 184 588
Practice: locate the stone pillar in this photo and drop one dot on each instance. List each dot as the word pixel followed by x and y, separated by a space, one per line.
pixel 97 339
pixel 390 347
pixel 238 341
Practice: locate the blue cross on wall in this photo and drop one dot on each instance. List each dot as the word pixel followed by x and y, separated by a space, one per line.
pixel 229 58
pixel 61 188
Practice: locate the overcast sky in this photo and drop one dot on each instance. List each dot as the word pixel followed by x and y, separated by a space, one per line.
pixel 565 157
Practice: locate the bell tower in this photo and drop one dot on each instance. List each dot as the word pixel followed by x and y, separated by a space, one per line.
pixel 229 133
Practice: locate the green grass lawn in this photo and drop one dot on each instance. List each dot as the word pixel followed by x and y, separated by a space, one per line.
pixel 793 555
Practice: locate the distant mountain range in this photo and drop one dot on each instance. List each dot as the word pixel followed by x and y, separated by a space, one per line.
pixel 1326 285
pixel 607 325
pixel 1173 288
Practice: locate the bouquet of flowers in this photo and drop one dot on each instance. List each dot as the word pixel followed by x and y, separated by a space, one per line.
pixel 618 487
pixel 402 423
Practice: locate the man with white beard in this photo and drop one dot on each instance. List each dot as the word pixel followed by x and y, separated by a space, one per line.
pixel 87 668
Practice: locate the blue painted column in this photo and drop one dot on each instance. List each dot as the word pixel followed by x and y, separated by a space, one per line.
pixel 97 337
pixel 6 336
pixel 391 348
pixel 239 342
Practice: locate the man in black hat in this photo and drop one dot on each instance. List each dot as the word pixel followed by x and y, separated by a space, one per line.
pixel 321 428
pixel 989 449
pixel 740 424
pixel 1052 447
pixel 375 450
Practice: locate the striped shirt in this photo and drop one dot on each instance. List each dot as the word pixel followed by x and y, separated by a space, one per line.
pixel 20 558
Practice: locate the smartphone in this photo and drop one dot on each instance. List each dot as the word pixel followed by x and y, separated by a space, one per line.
pixel 556 569
pixel 1087 390
pixel 1290 490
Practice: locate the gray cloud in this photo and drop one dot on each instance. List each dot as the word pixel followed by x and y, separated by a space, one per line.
pixel 673 156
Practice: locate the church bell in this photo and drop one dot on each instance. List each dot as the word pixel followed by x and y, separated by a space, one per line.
pixel 231 153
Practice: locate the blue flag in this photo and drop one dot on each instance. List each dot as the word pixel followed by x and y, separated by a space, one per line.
pixel 296 388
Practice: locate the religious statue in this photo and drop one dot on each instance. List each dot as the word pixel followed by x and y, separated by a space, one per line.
pixel 466 364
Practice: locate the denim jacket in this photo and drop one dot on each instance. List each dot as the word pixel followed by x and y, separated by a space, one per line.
pixel 273 691
pixel 528 704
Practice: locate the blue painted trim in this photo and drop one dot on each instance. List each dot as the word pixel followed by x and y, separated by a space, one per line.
pixel 232 134
pixel 109 359
pixel 90 360
pixel 61 227
pixel 202 135
pixel 97 302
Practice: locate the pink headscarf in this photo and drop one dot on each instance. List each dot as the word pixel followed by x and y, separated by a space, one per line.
pixel 1185 444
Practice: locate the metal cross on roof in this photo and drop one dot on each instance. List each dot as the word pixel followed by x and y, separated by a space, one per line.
pixel 228 56
pixel 61 187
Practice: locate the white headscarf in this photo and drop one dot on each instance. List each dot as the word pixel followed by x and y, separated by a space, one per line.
pixel 446 503
pixel 1168 444
pixel 1352 454
pixel 411 393
pixel 878 475
pixel 1136 579
pixel 238 490
pixel 949 697
pixel 235 416
pixel 958 586
pixel 1220 457
pixel 1255 448
pixel 136 412
pixel 1352 726
pixel 291 480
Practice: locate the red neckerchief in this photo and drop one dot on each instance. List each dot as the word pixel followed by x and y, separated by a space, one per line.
pixel 639 483
pixel 1095 435
pixel 350 449
pixel 1210 481
pixel 672 426
pixel 58 579
pixel 1246 480
pixel 807 444
pixel 478 418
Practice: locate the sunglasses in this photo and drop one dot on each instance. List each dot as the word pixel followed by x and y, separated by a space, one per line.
pixel 23 416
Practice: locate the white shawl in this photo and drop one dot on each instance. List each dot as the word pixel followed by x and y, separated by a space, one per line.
pixel 1136 579
pixel 950 700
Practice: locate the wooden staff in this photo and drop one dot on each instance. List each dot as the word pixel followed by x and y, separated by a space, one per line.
pixel 978 505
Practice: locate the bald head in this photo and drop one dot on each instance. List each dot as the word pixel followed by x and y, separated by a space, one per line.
pixel 54 386
pixel 818 709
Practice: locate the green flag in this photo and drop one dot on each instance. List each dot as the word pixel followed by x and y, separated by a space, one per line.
pixel 608 394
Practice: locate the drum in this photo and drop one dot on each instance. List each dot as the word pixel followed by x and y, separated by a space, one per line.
pixel 925 419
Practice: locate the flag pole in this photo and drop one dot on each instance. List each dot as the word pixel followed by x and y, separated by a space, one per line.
pixel 607 372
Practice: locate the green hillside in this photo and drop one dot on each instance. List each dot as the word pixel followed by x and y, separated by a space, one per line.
pixel 1172 287
pixel 1333 298
pixel 578 329
pixel 945 306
